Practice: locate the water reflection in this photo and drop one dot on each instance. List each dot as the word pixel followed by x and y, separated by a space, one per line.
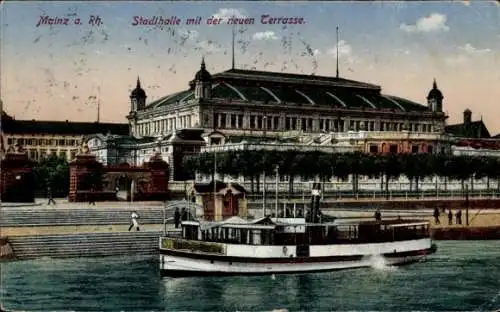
pixel 467 272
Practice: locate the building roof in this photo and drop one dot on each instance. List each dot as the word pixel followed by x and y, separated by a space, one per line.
pixel 296 90
pixel 62 127
pixel 203 188
pixel 138 92
pixel 435 93
pixel 474 129
pixel 203 74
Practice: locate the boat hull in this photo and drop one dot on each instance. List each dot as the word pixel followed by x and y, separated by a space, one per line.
pixel 182 264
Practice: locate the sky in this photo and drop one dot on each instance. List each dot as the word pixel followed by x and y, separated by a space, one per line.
pixel 60 72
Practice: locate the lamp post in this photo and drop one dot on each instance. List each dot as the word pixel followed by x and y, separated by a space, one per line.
pixel 277 191
pixel 467 204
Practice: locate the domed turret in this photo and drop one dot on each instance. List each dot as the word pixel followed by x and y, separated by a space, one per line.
pixel 202 82
pixel 138 97
pixel 435 98
pixel 203 74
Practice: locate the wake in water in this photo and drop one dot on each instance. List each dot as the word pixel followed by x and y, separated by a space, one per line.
pixel 379 263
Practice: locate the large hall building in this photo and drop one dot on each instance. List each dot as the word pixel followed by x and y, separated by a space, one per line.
pixel 238 107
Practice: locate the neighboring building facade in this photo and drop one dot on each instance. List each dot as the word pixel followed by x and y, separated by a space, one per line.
pixel 468 128
pixel 472 138
pixel 40 139
pixel 305 112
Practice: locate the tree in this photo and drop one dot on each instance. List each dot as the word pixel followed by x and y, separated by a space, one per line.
pixel 391 168
pixel 52 171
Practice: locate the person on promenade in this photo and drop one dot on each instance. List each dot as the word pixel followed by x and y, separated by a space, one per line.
pixel 450 217
pixel 436 216
pixel 91 197
pixel 378 215
pixel 133 221
pixel 177 217
pixel 184 215
pixel 458 216
pixel 50 197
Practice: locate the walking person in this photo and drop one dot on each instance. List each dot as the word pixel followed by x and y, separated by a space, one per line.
pixel 436 216
pixel 91 197
pixel 50 197
pixel 184 215
pixel 378 215
pixel 133 221
pixel 177 217
pixel 458 216
pixel 450 217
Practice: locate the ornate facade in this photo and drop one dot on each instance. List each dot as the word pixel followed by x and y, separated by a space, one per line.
pixel 237 106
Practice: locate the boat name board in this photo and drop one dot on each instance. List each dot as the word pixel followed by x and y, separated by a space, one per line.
pixel 182 244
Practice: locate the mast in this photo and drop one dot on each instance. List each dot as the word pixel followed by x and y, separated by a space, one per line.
pixel 98 104
pixel 232 47
pixel 277 186
pixel 337 52
pixel 215 181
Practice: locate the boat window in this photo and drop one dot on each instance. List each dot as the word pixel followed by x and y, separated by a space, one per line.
pixel 191 232
pixel 256 237
pixel 266 237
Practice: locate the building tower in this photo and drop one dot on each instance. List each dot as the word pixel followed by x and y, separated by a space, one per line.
pixel 202 83
pixel 467 117
pixel 138 97
pixel 137 103
pixel 435 99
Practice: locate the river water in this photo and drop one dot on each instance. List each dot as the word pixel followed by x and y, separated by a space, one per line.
pixel 461 276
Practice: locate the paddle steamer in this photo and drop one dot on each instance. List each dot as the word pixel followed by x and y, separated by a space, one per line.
pixel 289 242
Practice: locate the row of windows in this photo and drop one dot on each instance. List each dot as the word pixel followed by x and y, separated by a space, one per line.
pixel 43 142
pixel 38 154
pixel 164 125
pixel 394 148
pixel 237 121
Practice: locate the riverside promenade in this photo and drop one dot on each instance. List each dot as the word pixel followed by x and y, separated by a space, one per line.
pixel 83 230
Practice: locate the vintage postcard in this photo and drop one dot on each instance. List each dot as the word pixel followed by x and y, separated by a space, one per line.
pixel 249 156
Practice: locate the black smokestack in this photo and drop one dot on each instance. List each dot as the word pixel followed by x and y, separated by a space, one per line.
pixel 315 200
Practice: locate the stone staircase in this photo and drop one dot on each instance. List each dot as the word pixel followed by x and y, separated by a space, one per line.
pixel 86 245
pixel 78 216
pixel 110 214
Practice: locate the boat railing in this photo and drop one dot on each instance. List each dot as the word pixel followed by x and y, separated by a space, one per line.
pixel 191 245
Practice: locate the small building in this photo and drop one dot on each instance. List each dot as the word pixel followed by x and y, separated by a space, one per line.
pixel 468 128
pixel 230 200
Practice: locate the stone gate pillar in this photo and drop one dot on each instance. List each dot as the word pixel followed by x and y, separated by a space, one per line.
pixel 158 181
pixel 80 169
pixel 17 179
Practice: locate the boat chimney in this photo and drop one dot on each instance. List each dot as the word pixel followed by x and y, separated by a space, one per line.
pixel 314 212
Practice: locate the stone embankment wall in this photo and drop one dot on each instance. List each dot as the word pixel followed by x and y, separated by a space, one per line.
pixel 467 233
pixel 86 245
pixel 6 252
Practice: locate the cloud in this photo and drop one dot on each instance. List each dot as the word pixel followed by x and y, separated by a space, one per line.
pixel 455 59
pixel 226 13
pixel 188 34
pixel 265 35
pixel 432 23
pixel 402 51
pixel 345 52
pixel 469 49
pixel 344 49
pixel 208 46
